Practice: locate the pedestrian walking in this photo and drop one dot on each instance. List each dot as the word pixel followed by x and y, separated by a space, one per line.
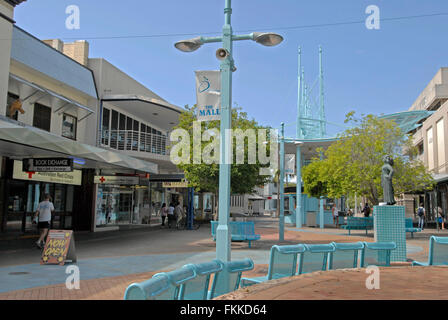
pixel 335 212
pixel 441 217
pixel 421 216
pixel 170 215
pixel 163 213
pixel 178 213
pixel 43 216
pixel 366 210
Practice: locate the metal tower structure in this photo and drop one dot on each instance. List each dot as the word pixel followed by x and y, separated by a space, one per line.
pixel 311 122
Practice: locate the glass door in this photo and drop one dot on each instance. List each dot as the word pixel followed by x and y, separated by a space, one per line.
pixel 16 206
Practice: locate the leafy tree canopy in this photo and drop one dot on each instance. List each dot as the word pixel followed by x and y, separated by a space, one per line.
pixel 353 163
pixel 205 177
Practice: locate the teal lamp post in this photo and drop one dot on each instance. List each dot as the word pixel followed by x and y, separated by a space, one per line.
pixel 224 54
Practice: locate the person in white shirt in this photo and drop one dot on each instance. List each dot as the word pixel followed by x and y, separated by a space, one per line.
pixel 43 213
pixel 171 216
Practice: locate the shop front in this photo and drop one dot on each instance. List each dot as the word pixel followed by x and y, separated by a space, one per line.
pixel 121 200
pixel 23 191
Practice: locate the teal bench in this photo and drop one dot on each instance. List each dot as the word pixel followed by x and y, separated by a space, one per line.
pixel 282 263
pixel 377 253
pixel 152 289
pixel 410 227
pixel 240 231
pixel 315 258
pixel 229 279
pixel 358 223
pixel 438 252
pixel 197 288
pixel 346 255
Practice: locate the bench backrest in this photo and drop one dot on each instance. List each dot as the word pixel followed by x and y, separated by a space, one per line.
pixel 360 221
pixel 236 227
pixel 345 255
pixel 315 258
pixel 409 223
pixel 283 260
pixel 377 253
pixel 152 289
pixel 197 288
pixel 178 278
pixel 228 279
pixel 438 251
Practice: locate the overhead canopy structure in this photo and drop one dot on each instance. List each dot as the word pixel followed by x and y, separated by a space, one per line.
pixel 161 113
pixel 408 120
pixel 67 103
pixel 25 141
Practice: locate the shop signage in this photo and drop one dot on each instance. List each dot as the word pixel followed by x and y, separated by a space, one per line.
pixel 47 165
pixel 74 177
pixel 177 184
pixel 118 180
pixel 59 248
pixel 208 94
pixel 290 163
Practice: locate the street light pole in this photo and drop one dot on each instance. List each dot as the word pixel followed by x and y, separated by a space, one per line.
pixel 227 67
pixel 223 244
pixel 281 180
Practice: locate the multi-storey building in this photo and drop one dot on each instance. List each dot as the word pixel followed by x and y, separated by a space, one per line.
pixel 430 138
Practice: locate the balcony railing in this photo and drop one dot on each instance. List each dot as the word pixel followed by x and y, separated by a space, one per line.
pixel 135 141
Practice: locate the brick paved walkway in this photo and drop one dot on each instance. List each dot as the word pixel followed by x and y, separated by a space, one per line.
pixel 112 288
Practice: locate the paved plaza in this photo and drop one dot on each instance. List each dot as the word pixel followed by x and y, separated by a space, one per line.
pixel 110 261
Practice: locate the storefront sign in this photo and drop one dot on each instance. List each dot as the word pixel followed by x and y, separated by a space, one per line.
pixel 118 180
pixel 47 165
pixel 208 93
pixel 74 177
pixel 60 246
pixel 178 184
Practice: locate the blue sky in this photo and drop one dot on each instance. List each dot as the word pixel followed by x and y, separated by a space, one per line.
pixel 369 71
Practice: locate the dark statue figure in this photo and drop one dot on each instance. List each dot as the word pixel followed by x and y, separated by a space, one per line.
pixel 387 171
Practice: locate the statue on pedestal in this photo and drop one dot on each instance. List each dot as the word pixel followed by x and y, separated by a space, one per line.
pixel 387 171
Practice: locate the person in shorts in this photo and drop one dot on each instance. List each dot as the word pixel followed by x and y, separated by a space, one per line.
pixel 43 213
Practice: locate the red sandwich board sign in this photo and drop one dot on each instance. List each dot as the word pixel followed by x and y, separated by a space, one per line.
pixel 59 248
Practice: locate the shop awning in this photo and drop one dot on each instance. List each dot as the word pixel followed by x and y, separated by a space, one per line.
pixel 68 102
pixel 161 113
pixel 18 142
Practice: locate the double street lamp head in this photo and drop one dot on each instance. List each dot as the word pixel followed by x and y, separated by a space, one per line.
pixel 268 39
pixel 189 45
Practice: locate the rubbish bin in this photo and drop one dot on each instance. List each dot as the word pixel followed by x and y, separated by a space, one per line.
pixel 311 217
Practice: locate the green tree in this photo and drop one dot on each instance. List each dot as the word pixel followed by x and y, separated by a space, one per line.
pixel 353 163
pixel 205 177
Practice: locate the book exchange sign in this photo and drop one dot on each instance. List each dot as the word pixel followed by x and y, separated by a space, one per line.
pixel 47 165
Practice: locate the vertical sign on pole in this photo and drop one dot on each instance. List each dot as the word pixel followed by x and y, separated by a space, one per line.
pixel 208 94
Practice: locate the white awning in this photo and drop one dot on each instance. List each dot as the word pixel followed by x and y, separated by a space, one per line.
pixel 24 141
pixel 54 94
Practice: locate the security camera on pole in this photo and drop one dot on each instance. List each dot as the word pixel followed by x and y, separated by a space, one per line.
pixel 224 54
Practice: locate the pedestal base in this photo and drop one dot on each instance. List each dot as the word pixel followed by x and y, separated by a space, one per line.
pixel 389 225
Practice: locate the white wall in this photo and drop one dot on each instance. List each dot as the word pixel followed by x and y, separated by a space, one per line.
pixel 5 52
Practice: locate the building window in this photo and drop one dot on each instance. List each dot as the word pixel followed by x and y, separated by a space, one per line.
pixel 106 118
pixel 69 124
pixel 42 117
pixel 11 111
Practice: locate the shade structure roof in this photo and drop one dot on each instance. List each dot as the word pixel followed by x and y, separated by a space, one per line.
pixel 408 120
pixel 18 141
pixel 158 112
